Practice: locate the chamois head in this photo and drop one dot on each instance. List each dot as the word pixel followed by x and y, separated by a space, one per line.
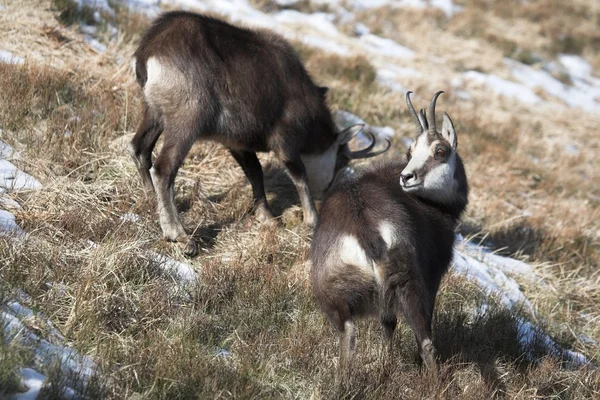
pixel 323 168
pixel 432 157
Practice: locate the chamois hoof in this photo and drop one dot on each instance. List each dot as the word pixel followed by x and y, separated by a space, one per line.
pixel 191 248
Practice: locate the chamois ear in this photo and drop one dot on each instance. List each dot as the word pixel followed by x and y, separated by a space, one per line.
pixel 448 132
pixel 323 90
pixel 349 133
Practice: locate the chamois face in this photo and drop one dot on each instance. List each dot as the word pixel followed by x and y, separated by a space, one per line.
pixel 431 164
pixel 323 168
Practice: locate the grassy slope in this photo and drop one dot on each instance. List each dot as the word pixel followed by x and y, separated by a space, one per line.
pixel 155 340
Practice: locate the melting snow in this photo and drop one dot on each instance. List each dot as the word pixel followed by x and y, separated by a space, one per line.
pixel 385 47
pixel 33 380
pixel 184 272
pixel 45 353
pixel 445 5
pixel 491 272
pixel 503 87
pixel 130 217
pixel 582 94
pixel 9 58
pixel 12 178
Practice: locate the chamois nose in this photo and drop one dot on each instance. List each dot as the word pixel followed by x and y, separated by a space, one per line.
pixel 407 177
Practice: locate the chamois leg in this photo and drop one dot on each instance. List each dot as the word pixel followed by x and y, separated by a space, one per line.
pixel 143 143
pixel 388 322
pixel 163 175
pixel 297 172
pixel 348 336
pixel 419 318
pixel 249 163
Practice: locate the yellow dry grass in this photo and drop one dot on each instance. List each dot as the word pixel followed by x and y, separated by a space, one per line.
pixel 154 339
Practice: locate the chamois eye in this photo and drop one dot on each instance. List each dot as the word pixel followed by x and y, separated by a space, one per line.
pixel 441 153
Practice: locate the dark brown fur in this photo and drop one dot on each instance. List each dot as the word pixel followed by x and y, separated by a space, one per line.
pixel 246 89
pixel 412 268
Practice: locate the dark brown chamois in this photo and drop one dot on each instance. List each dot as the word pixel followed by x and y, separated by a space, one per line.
pixel 385 238
pixel 204 79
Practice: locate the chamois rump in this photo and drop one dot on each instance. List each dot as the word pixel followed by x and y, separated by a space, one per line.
pixel 385 238
pixel 204 79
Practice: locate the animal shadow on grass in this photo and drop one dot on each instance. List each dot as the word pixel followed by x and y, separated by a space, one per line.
pixel 520 238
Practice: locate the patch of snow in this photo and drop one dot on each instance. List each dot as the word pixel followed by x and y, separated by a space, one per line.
pixel 576 66
pixel 33 381
pixel 9 226
pixel 1 7
pixel 130 217
pixel 327 45
pixel 385 47
pixel 491 273
pixel 503 87
pixel 89 29
pixel 45 353
pixel 361 29
pixel 12 178
pixel 94 43
pixel 7 57
pixel 572 149
pixel 321 22
pixel 388 79
pixel 183 272
pixel 6 150
pixel 582 94
pixel 286 3
pixel 446 6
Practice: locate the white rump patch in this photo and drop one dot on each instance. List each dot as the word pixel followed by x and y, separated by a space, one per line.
pixel 388 233
pixel 154 71
pixel 352 253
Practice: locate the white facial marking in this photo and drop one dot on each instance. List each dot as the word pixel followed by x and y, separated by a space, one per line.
pixel 388 233
pixel 439 183
pixel 320 169
pixel 419 156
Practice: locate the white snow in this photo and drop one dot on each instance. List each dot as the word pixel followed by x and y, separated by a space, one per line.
pixel 320 22
pixel 12 178
pixel 8 225
pixel 130 217
pixel 503 87
pixel 388 78
pixel 94 43
pixel 582 94
pixel 385 47
pixel 34 381
pixel 445 5
pixel 45 353
pixel 6 150
pixel 182 271
pixel 330 46
pixel 492 273
pixel 9 58
pixel 576 66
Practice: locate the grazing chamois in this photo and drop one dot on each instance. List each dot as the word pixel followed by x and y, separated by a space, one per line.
pixel 385 238
pixel 204 79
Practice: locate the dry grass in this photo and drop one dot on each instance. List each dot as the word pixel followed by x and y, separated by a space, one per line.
pixel 153 338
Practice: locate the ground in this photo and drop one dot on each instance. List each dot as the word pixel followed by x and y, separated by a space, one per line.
pixel 96 304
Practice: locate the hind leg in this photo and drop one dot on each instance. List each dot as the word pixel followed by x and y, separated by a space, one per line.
pixel 348 335
pixel 143 143
pixel 163 173
pixel 249 163
pixel 388 323
pixel 418 314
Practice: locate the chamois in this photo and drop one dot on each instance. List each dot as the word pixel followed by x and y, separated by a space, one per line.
pixel 385 238
pixel 204 79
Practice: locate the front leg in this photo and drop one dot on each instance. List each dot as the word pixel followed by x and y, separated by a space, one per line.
pixel 249 163
pixel 297 172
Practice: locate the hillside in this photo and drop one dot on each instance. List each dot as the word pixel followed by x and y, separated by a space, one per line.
pixel 96 305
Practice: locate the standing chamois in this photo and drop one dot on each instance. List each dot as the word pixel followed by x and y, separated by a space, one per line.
pixel 204 79
pixel 385 238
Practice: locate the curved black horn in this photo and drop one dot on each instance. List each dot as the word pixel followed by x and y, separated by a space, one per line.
pixel 365 153
pixel 431 117
pixel 413 113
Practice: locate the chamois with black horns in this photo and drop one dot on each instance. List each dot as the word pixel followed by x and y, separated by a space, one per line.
pixel 385 238
pixel 204 79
